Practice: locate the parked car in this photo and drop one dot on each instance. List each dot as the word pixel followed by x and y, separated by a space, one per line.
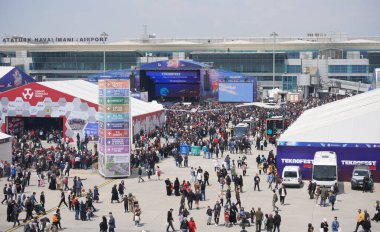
pixel 291 176
pixel 358 174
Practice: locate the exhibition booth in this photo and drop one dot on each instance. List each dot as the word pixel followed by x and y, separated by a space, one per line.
pixel 69 106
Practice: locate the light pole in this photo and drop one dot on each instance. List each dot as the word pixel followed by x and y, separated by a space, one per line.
pixel 104 37
pixel 274 34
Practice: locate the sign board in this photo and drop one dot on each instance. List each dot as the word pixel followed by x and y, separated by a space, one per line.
pixel 114 128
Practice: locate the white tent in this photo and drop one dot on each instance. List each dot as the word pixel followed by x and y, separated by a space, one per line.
pixel 5 147
pixel 89 92
pixel 260 104
pixel 351 120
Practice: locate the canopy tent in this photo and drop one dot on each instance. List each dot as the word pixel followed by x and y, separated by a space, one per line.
pixel 12 77
pixel 348 127
pixel 76 101
pixel 261 105
pixel 5 147
pixel 89 92
pixel 350 120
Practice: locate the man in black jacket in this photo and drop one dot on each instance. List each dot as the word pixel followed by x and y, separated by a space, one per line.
pixel 217 210
pixel 257 182
pixel 170 220
pixel 276 221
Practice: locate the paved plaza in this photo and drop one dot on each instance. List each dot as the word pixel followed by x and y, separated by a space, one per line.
pixel 297 212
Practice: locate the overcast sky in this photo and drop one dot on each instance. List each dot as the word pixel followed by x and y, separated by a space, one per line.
pixel 124 19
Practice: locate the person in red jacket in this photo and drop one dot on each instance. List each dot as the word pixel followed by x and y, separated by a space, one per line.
pixel 192 225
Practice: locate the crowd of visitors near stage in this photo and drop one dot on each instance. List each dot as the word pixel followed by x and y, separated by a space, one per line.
pixel 209 125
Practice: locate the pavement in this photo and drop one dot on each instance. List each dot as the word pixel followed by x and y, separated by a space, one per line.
pixel 297 212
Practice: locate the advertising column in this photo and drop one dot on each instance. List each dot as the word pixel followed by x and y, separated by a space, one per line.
pixel 114 128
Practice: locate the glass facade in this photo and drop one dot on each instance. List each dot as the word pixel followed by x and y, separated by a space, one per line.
pixel 82 60
pixel 289 83
pixel 294 69
pixel 269 78
pixel 374 60
pixel 348 69
pixel 243 62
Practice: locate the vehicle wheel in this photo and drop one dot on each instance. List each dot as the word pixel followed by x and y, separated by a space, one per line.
pixel 352 187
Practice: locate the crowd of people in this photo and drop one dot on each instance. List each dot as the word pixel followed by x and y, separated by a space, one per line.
pixel 207 125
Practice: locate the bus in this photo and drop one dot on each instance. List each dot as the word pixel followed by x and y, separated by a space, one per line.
pixel 325 168
pixel 241 130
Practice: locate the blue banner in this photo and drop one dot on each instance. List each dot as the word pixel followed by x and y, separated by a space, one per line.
pixel 328 144
pixel 101 92
pixel 117 92
pixel 174 77
pixel 184 149
pixel 117 117
pixel 117 125
pixel 14 78
pixel 91 129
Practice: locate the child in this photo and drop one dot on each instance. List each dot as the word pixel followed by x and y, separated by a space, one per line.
pixel 149 173
pixel 158 173
pixel 88 214
pixel 226 219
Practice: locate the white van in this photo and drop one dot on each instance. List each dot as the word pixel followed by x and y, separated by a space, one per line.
pixel 325 168
pixel 292 176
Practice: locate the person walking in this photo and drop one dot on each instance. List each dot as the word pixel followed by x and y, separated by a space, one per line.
pixel 209 215
pixel 335 225
pixel 96 194
pixel 317 194
pixel 16 211
pixel 274 200
pixel 5 192
pixel 270 223
pixel 103 225
pixel 360 220
pixel 324 225
pixel 63 199
pixel 282 192
pixel 42 199
pixel 111 223
pixel 332 199
pixel 140 174
pixel 170 220
pixel 115 194
pixel 192 225
pixel 256 180
pixel 184 225
pixel 158 173
pixel 276 221
pixel 29 209
pixel 310 227
pixel 125 202
pixel 259 219
pixel 217 209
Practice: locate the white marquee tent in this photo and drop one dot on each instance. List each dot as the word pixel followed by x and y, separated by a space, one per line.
pixel 89 92
pixel 350 120
pixel 5 147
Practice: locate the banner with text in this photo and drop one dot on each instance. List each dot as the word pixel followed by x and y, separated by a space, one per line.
pixel 114 128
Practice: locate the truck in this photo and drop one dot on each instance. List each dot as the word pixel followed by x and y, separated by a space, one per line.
pixel 325 168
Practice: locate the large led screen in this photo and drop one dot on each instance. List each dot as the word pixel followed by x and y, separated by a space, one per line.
pixel 177 90
pixel 174 77
pixel 236 92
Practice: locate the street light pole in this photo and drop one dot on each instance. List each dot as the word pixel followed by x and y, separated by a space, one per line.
pixel 104 37
pixel 274 34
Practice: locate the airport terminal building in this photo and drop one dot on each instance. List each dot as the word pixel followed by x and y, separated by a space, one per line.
pixel 335 63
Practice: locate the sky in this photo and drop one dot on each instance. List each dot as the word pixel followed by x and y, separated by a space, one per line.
pixel 125 19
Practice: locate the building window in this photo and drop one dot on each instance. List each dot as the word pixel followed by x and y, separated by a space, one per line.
pixel 294 69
